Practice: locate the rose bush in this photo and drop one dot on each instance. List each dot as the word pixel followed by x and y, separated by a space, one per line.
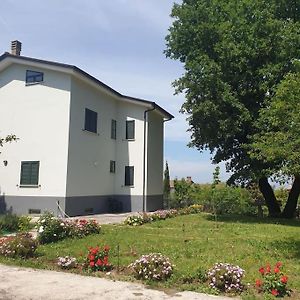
pixel 98 259
pixel 273 281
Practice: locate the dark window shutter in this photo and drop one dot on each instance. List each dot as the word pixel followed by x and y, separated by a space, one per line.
pixel 29 172
pixel 112 166
pixel 113 129
pixel 129 175
pixel 90 122
pixel 130 130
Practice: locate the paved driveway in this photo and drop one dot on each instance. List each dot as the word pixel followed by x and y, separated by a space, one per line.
pixel 28 284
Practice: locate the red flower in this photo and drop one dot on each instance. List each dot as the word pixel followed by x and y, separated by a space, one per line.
pixel 284 279
pixel 105 260
pixel 99 262
pixel 274 292
pixel 276 270
pixel 91 257
pixel 258 283
pixel 268 269
pixel 92 263
pixel 262 270
pixel 278 264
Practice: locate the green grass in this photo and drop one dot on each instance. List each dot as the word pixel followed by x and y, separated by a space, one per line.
pixel 192 242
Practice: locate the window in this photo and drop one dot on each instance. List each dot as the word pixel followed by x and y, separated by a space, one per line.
pixel 34 76
pixel 113 129
pixel 29 172
pixel 90 123
pixel 129 175
pixel 112 166
pixel 130 130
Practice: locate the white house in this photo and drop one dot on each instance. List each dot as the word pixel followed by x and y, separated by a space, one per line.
pixel 82 145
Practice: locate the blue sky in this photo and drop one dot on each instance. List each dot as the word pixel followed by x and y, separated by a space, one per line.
pixel 121 42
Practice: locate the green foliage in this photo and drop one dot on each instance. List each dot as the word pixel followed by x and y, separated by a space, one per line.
pixel 9 223
pixel 278 142
pixel 21 245
pixel 234 54
pixel 24 223
pixel 182 194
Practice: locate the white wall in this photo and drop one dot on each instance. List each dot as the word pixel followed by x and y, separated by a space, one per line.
pixel 155 154
pixel 90 153
pixel 39 116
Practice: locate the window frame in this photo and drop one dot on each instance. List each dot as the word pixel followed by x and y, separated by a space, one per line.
pixel 129 176
pixel 128 136
pixel 36 77
pixel 31 183
pixel 90 120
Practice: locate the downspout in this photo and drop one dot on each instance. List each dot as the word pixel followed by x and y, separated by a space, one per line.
pixel 144 154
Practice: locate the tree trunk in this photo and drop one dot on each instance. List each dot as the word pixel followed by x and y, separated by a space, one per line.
pixel 268 193
pixel 291 205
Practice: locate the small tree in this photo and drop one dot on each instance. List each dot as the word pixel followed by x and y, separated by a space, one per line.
pixel 166 186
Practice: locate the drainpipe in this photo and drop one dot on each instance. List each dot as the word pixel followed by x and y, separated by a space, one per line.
pixel 144 154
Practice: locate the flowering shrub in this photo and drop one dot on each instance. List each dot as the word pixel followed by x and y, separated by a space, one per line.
pixel 66 262
pixel 274 281
pixel 134 220
pixel 51 229
pixel 163 214
pixel 153 266
pixel 97 259
pixel 21 245
pixel 226 278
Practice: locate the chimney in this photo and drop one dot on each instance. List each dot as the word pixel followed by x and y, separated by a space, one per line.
pixel 16 47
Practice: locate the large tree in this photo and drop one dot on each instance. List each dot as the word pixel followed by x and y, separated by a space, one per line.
pixel 234 54
pixel 278 143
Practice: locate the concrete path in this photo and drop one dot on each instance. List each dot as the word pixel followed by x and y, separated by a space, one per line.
pixel 28 284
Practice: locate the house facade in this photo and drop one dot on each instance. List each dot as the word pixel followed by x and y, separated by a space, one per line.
pixel 83 147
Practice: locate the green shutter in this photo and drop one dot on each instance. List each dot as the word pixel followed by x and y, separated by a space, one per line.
pixel 29 172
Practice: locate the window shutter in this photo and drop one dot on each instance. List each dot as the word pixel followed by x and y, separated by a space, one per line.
pixel 130 130
pixel 90 122
pixel 129 175
pixel 29 172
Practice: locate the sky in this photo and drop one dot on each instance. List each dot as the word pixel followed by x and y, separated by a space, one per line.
pixel 120 42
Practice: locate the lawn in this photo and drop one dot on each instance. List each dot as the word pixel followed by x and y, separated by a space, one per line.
pixel 193 243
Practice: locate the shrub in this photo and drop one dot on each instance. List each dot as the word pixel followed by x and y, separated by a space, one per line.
pixel 21 245
pixel 66 262
pixel 229 200
pixel 24 223
pixel 226 278
pixel 134 220
pixel 51 229
pixel 274 281
pixel 97 259
pixel 192 209
pixel 9 223
pixel 163 214
pixel 153 266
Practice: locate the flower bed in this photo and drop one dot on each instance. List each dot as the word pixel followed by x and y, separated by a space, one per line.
pixel 143 218
pixel 66 262
pixel 51 229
